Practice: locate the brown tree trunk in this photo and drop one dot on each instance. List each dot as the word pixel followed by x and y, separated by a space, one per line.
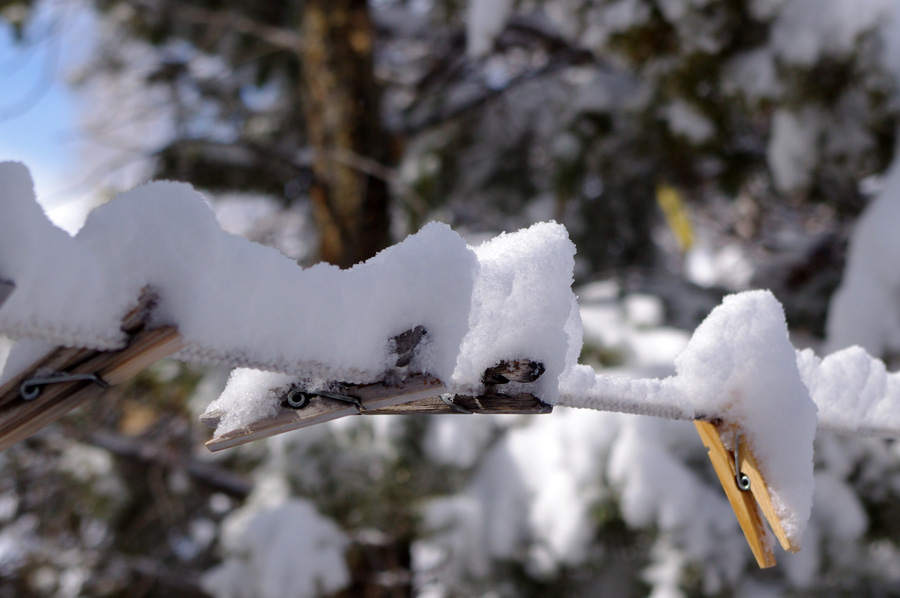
pixel 342 112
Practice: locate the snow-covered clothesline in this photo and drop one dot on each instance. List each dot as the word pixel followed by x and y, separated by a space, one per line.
pixel 237 303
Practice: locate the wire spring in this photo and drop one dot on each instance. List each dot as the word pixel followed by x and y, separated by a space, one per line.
pixel 741 479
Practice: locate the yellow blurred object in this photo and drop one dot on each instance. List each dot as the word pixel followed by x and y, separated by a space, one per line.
pixel 675 211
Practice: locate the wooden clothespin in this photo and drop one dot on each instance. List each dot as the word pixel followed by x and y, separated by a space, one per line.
pixel 66 377
pixel 299 409
pixel 397 393
pixel 746 490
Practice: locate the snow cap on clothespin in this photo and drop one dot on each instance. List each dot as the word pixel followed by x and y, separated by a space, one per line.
pixel 742 369
pixel 256 404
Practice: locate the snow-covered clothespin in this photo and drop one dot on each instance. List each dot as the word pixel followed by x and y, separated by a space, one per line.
pixel 66 377
pixel 296 405
pixel 746 490
pixel 297 408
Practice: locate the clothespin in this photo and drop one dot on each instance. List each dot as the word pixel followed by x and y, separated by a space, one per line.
pixel 397 393
pixel 746 490
pixel 66 377
pixel 298 408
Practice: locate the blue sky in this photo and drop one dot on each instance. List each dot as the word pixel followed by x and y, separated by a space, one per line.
pixel 37 110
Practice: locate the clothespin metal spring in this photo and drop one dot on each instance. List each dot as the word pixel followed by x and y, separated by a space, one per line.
pixel 740 478
pixel 299 398
pixel 31 388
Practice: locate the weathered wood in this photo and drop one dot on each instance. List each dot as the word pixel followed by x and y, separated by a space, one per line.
pixel 742 502
pixel 494 403
pixel 415 394
pixel 20 418
pixel 146 348
pixel 513 370
pixel 6 289
pixel 60 359
pixel 211 419
pixel 321 409
pixel 405 344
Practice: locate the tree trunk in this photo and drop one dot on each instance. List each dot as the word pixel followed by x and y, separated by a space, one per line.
pixel 342 112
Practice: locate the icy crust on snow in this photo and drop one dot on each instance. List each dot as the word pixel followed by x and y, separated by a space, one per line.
pixel 853 391
pixel 739 366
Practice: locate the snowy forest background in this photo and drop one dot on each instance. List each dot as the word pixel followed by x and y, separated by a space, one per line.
pixel 692 148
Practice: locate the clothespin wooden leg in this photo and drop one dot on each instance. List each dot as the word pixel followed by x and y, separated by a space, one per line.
pixel 760 492
pixel 21 417
pixel 743 502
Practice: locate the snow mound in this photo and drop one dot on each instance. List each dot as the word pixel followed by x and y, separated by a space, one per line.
pixel 521 303
pixel 853 390
pixel 233 301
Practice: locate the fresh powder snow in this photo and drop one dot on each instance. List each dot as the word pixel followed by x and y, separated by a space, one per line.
pixel 239 303
pixel 233 301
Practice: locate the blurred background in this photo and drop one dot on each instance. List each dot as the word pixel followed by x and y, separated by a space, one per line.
pixel 692 148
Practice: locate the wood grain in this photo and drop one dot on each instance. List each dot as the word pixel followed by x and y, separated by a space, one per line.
pixel 743 503
pixel 760 491
pixel 495 403
pixel 20 418
pixel 321 409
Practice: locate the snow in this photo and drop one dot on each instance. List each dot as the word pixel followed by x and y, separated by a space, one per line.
pixel 862 310
pixel 752 73
pixel 285 551
pixel 729 266
pixel 519 305
pixel 687 121
pixel 75 290
pixel 510 297
pixel 32 254
pixel 485 20
pixel 853 390
pixel 521 302
pixel 808 29
pixel 239 303
pixel 792 151
pixel 249 395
